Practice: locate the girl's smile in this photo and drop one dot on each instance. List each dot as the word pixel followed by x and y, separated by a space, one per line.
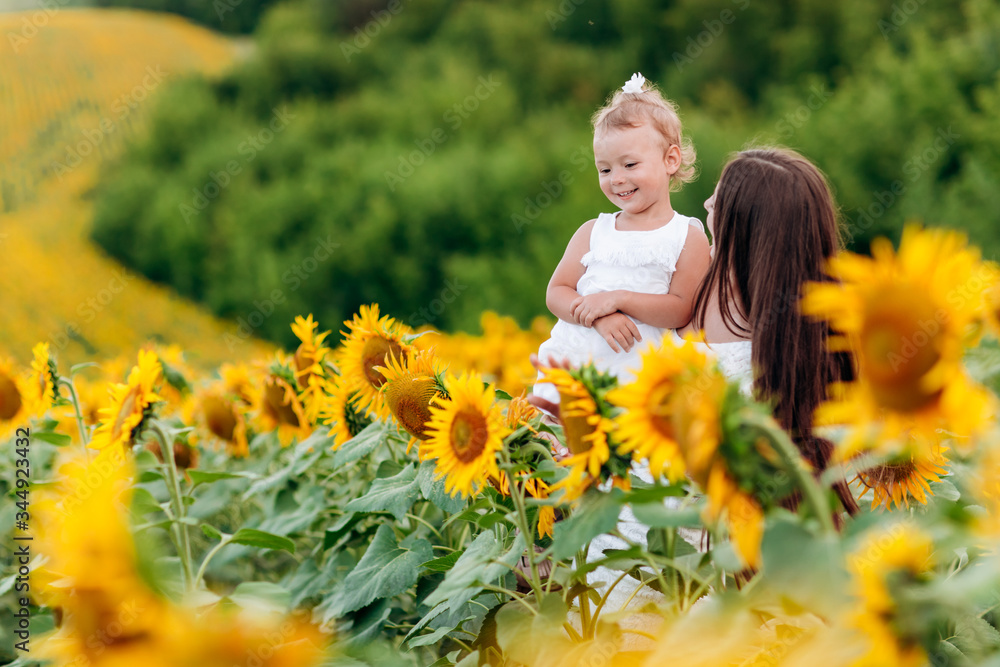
pixel 634 171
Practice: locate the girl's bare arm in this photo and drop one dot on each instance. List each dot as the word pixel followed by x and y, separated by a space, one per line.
pixel 561 292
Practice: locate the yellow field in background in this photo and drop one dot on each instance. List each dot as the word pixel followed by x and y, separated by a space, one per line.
pixel 75 86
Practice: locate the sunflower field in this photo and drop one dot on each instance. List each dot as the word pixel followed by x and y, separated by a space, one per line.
pixel 382 501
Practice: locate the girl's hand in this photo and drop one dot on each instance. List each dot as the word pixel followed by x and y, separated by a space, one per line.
pixel 586 309
pixel 618 330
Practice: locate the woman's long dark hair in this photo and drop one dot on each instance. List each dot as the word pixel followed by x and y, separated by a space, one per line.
pixel 775 225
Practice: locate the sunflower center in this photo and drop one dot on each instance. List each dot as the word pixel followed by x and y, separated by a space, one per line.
pixel 900 344
pixel 281 410
pixel 219 417
pixel 888 474
pixel 469 433
pixel 574 419
pixel 375 353
pixel 10 398
pixel 660 412
pixel 409 400
pixel 124 412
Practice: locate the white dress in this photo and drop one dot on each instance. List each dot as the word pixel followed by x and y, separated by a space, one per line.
pixel 735 362
pixel 637 261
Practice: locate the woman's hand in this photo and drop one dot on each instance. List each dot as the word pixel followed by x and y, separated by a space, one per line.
pixel 618 330
pixel 586 309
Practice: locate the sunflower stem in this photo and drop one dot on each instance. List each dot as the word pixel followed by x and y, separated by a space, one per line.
pixel 812 493
pixel 177 499
pixel 75 400
pixel 204 563
pixel 517 495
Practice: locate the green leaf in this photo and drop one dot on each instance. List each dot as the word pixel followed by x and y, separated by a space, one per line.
pixel 471 660
pixel 76 368
pixel 804 567
pixel 517 630
pixel 53 438
pixel 367 622
pixel 207 476
pixel 433 490
pixel 386 570
pixel 945 489
pixel 482 563
pixel 658 515
pixel 258 538
pixel 339 529
pixel 444 563
pixel 429 639
pixel 143 502
pixel 360 445
pixel 597 514
pixel 640 496
pixel 261 595
pixel 211 532
pixel 394 494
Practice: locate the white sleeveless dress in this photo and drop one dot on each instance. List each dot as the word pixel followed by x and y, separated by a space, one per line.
pixel 637 261
pixel 735 362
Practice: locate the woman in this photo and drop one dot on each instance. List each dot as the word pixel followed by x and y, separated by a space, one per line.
pixel 773 224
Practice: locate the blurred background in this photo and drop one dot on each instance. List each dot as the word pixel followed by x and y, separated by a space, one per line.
pixel 199 172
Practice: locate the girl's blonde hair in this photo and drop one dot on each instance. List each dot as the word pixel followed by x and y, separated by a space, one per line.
pixel 633 109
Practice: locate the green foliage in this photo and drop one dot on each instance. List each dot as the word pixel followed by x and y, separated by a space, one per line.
pixel 436 159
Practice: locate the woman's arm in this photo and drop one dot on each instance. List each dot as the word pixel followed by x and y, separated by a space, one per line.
pixel 561 292
pixel 670 310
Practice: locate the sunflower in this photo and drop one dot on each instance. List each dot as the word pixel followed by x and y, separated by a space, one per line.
pixel 908 317
pixel 15 401
pixel 175 372
pixel 309 361
pixel 370 343
pixel 465 433
pixel 587 424
pixel 91 574
pixel 410 387
pixel 227 638
pixel 521 413
pixel 342 413
pixel 82 526
pixel 131 404
pixel 279 409
pixel 221 417
pixel 898 555
pixel 742 514
pixel 586 430
pixel 895 482
pixel 311 353
pixel 44 380
pixel 236 381
pixel 659 402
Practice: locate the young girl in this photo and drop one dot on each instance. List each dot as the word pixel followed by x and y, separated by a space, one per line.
pixel 627 276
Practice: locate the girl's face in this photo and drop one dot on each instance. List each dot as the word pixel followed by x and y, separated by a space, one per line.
pixel 634 170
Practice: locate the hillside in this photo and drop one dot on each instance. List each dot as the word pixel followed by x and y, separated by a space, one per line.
pixel 75 87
